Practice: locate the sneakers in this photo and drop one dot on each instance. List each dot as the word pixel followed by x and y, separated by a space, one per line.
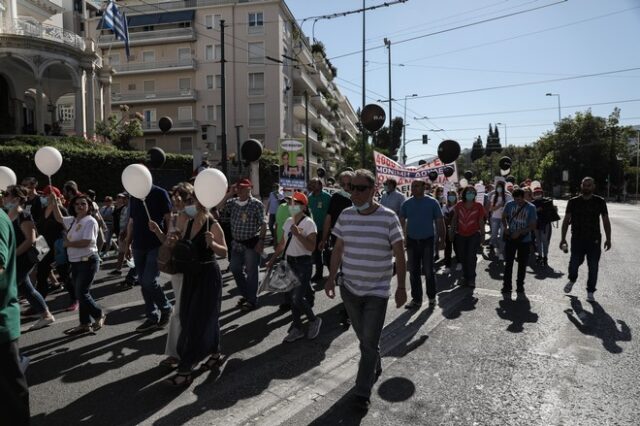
pixel 295 334
pixel 568 286
pixel 459 267
pixel 314 328
pixel 99 323
pixel 361 403
pixel 147 325
pixel 73 307
pixel 413 305
pixel 164 318
pixel 590 297
pixel 42 323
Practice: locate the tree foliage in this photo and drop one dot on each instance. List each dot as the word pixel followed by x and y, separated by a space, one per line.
pixel 120 132
pixel 383 141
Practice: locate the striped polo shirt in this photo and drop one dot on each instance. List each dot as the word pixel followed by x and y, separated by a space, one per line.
pixel 367 261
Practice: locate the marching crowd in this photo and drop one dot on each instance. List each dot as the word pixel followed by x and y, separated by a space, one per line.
pixel 363 242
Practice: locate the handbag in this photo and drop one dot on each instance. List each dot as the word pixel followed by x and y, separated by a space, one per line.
pixel 281 278
pixel 165 256
pixel 41 248
pixel 183 253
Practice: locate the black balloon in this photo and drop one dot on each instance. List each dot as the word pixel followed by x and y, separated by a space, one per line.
pixel 421 162
pixel 321 172
pixel 373 117
pixel 251 150
pixel 448 171
pixel 165 124
pixel 505 163
pixel 511 179
pixel 156 157
pixel 468 174
pixel 448 151
pixel 433 175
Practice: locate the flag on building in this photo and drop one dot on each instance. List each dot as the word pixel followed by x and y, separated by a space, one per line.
pixel 115 20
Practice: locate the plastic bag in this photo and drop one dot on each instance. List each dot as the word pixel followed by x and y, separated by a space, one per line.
pixel 279 279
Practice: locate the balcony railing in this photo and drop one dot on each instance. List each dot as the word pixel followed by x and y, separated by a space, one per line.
pixel 180 125
pixel 136 9
pixel 298 105
pixel 31 28
pixel 133 67
pixel 152 97
pixel 106 40
pixel 304 78
pixel 300 129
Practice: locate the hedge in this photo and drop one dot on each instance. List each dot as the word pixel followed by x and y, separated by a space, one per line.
pixel 92 165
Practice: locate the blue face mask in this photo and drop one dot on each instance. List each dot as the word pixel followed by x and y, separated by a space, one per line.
pixel 470 196
pixel 499 190
pixel 294 210
pixel 44 201
pixel 8 206
pixel 362 207
pixel 191 211
pixel 452 198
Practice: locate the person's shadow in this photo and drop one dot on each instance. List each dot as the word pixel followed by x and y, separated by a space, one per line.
pixel 599 324
pixel 517 311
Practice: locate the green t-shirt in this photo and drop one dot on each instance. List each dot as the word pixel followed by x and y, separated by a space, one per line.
pixel 281 217
pixel 9 306
pixel 319 206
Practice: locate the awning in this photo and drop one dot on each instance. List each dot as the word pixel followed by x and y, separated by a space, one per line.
pixel 158 18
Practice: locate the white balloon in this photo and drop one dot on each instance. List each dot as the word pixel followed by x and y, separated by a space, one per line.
pixel 137 180
pixel 463 183
pixel 535 184
pixel 210 187
pixel 7 178
pixel 48 160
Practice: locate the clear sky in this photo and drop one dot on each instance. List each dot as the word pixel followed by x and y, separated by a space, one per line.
pixel 572 38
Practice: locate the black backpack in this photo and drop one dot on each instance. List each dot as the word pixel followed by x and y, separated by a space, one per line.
pixel 184 252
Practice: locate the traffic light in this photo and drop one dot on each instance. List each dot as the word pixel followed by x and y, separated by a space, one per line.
pixel 425 139
pixel 204 133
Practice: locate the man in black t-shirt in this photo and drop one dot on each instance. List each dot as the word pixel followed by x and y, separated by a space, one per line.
pixel 583 213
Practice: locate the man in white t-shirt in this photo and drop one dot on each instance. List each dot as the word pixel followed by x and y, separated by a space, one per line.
pixel 368 236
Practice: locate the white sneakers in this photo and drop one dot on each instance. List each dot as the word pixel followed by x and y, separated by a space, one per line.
pixel 568 286
pixel 42 323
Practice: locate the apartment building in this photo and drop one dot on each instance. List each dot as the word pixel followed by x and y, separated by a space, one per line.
pixel 174 70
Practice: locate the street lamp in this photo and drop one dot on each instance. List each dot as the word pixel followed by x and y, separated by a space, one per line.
pixel 559 109
pixel 506 144
pixel 404 127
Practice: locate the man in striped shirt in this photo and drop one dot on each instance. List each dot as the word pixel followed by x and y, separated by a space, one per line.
pixel 368 235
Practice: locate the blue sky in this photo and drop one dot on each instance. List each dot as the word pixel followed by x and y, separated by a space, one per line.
pixel 572 38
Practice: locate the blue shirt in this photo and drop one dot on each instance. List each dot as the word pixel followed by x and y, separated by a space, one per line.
pixel 393 200
pixel 159 204
pixel 420 212
pixel 523 218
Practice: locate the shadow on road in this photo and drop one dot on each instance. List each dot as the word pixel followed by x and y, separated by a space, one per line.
pixel 396 389
pixel 467 303
pixel 599 324
pixel 517 311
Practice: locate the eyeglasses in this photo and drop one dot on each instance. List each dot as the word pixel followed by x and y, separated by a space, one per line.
pixel 360 188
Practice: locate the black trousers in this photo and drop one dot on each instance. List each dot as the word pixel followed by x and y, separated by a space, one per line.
pixel 14 392
pixel 512 248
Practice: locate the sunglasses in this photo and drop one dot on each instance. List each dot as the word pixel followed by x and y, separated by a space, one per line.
pixel 360 188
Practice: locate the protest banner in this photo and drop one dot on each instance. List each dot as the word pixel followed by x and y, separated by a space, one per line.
pixel 292 155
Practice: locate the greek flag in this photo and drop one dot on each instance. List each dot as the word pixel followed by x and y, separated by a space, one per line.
pixel 117 22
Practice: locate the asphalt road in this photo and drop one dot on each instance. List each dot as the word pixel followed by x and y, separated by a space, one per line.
pixel 474 359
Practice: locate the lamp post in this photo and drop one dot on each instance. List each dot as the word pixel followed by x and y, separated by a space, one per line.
pixel 404 127
pixel 238 152
pixel 364 81
pixel 387 43
pixel 559 108
pixel 506 144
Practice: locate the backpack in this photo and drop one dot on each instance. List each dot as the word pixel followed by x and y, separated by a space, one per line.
pixel 184 252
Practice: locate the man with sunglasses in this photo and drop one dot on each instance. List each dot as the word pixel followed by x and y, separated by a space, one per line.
pixel 368 236
pixel 338 202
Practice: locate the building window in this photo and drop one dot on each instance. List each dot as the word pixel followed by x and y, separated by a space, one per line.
pixel 257 136
pixel 184 55
pixel 212 21
pixel 149 118
pixel 218 52
pixel 256 83
pixel 185 113
pixel 186 145
pixel 115 88
pixel 208 52
pixel 219 113
pixel 256 23
pixel 148 28
pixel 184 84
pixel 131 86
pixel 256 53
pixel 218 81
pixel 209 82
pixel 256 115
pixel 66 113
pixel 149 143
pixel 211 113
pixel 149 56
pixel 149 89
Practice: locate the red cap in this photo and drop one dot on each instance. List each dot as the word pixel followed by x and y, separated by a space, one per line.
pixel 49 189
pixel 538 189
pixel 244 183
pixel 301 198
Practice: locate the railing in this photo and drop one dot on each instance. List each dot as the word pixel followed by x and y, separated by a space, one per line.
pixel 325 123
pixel 178 125
pixel 32 28
pixel 300 128
pixel 171 5
pixel 156 65
pixel 118 98
pixel 299 101
pixel 298 74
pixel 107 39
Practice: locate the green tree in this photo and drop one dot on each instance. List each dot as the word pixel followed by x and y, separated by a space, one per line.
pixel 477 150
pixel 121 132
pixel 383 141
pixel 493 142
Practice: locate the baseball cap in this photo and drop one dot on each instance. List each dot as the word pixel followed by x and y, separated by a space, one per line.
pixel 244 183
pixel 301 198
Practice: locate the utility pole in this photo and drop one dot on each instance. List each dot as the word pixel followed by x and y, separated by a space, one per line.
pixel 306 134
pixel 637 163
pixel 238 152
pixel 387 43
pixel 364 82
pixel 225 169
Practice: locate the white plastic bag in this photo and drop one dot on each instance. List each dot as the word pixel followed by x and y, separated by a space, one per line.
pixel 279 279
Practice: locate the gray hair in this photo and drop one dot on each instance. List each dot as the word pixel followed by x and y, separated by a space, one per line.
pixel 346 173
pixel 367 174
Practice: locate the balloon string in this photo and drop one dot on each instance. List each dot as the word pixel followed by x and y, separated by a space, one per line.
pixel 50 186
pixel 146 208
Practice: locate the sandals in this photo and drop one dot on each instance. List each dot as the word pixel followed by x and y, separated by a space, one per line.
pixel 214 360
pixel 179 380
pixel 170 362
pixel 76 331
pixel 99 324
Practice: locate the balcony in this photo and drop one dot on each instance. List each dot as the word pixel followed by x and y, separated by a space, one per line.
pixel 157 66
pixel 321 80
pixel 149 37
pixel 322 121
pixel 302 78
pixel 29 27
pixel 178 126
pixel 136 8
pixel 154 97
pixel 321 103
pixel 299 110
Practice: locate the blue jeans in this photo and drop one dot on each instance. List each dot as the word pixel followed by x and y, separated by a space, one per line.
pixel 367 318
pixel 543 237
pixel 32 295
pixel 82 274
pixel 245 259
pixel 302 267
pixel 147 270
pixel 579 250
pixel 420 256
pixel 496 234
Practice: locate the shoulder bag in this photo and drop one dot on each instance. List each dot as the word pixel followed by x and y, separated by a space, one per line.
pixel 281 278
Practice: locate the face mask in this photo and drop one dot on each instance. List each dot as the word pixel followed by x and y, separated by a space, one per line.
pixel 452 198
pixel 191 211
pixel 294 210
pixel 345 194
pixel 9 206
pixel 537 197
pixel 44 201
pixel 242 203
pixel 362 207
pixel 499 190
pixel 470 196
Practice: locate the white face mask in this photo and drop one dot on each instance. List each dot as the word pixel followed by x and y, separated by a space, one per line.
pixel 191 211
pixel 242 203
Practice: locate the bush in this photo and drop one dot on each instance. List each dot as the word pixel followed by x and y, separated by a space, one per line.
pixel 90 164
